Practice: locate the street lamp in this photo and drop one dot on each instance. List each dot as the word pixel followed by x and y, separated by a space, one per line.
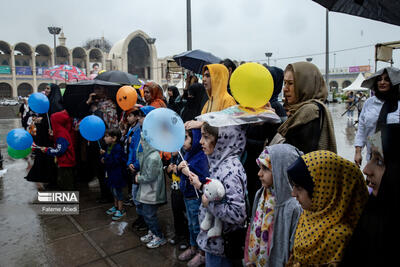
pixel 54 31
pixel 268 55
pixel 309 59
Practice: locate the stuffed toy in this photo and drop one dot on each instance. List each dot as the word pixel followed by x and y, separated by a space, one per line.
pixel 214 190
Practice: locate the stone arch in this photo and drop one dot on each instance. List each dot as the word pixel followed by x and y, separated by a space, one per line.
pixel 24 89
pixel 62 54
pixel 139 57
pixel 345 83
pixel 23 57
pixel 333 85
pixel 42 56
pixel 96 56
pixel 5 57
pixel 79 57
pixel 42 86
pixel 5 90
pixel 141 65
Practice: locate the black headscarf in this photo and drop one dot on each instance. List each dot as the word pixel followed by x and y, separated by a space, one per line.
pixel 172 103
pixel 55 99
pixel 195 102
pixel 374 241
pixel 277 76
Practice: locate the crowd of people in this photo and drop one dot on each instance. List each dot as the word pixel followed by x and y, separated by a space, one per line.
pixel 289 199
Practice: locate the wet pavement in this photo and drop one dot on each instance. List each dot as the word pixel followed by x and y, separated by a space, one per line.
pixel 90 238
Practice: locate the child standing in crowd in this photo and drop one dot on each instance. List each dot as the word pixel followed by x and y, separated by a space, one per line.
pixel 333 193
pixel 151 192
pixel 270 235
pixel 132 125
pixel 223 147
pixel 113 158
pixel 195 162
pixel 61 124
pixel 133 163
pixel 177 205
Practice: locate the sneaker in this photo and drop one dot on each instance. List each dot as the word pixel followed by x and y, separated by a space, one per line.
pixel 112 210
pixel 187 254
pixel 156 242
pixel 147 238
pixel 118 215
pixel 197 260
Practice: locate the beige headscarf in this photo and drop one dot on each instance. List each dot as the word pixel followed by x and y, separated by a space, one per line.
pixel 310 89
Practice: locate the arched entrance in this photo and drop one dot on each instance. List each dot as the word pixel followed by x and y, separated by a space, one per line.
pixel 24 89
pixel 5 90
pixel 5 58
pixel 79 58
pixel 139 58
pixel 345 84
pixel 62 55
pixel 333 86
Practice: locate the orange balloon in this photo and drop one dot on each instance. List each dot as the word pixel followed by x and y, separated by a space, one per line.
pixel 126 97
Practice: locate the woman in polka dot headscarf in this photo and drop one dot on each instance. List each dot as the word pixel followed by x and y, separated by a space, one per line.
pixel 332 192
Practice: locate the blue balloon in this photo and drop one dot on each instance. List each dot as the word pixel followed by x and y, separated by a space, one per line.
pixel 39 103
pixel 92 128
pixel 19 139
pixel 163 129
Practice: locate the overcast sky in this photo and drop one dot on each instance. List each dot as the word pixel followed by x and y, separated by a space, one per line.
pixel 237 29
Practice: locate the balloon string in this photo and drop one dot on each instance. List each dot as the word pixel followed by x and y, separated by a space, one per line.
pixel 98 142
pixel 195 190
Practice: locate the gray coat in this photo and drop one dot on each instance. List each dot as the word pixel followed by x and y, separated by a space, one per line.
pixel 151 177
pixel 287 210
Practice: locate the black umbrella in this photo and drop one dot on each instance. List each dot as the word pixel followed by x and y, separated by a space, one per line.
pixel 76 95
pixel 117 76
pixel 194 60
pixel 380 10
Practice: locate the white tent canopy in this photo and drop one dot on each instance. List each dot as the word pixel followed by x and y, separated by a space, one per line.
pixel 356 85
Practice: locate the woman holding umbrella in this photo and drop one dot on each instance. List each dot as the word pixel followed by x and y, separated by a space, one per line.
pixel 383 84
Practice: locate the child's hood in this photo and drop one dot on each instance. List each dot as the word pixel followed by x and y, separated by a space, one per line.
pixel 196 146
pixel 147 148
pixel 282 156
pixel 231 143
pixel 61 123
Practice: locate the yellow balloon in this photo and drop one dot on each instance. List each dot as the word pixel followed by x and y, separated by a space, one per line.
pixel 252 85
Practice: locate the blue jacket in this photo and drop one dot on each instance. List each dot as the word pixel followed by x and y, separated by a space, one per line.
pixel 114 166
pixel 133 146
pixel 198 164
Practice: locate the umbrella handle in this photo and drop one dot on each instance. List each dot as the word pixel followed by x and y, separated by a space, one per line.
pixel 48 120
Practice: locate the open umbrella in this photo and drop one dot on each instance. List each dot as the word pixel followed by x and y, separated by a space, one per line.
pixel 380 10
pixel 117 76
pixel 76 95
pixel 66 73
pixel 194 60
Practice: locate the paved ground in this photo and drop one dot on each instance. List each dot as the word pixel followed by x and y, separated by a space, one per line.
pixel 88 239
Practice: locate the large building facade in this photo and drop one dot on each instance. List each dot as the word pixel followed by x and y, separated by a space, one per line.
pixel 22 64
